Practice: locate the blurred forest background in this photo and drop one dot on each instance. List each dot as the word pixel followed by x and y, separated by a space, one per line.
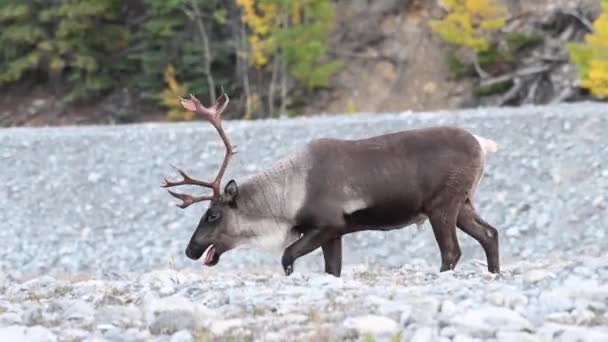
pixel 111 61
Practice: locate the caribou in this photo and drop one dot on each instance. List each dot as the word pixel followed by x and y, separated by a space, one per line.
pixel 332 187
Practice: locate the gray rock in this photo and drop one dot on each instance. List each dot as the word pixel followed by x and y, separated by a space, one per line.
pixel 123 316
pixel 32 315
pixel 78 311
pixel 170 322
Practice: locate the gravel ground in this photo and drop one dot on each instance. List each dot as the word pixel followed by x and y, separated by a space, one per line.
pixel 93 247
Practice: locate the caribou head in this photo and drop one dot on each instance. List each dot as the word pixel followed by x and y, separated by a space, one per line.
pixel 212 236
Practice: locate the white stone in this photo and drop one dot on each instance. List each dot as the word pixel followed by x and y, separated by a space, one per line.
pixel 406 315
pixel 39 334
pixel 182 336
pixel 30 334
pixel 464 338
pixel 560 317
pixel 12 333
pixel 218 328
pixel 372 324
pixel 582 334
pixel 78 311
pixel 425 309
pixel 555 301
pixel 512 336
pixel 482 322
pixel 449 331
pixel 424 334
pixel 448 308
pixel 534 276
pixel 123 316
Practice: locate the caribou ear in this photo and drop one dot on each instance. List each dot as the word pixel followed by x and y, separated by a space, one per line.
pixel 231 192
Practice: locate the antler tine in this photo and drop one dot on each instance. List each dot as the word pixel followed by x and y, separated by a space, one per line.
pixel 213 115
pixel 187 200
pixel 186 180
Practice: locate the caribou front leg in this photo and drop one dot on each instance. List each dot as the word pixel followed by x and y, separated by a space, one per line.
pixel 310 241
pixel 332 253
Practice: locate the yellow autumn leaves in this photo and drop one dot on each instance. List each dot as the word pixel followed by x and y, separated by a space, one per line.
pixel 261 26
pixel 469 21
pixel 170 97
pixel 591 56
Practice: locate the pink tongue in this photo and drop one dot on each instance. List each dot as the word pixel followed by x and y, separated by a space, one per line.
pixel 209 256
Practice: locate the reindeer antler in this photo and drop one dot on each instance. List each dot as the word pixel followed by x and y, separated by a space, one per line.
pixel 213 115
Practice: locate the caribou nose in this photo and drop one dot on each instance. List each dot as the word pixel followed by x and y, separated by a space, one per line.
pixel 189 252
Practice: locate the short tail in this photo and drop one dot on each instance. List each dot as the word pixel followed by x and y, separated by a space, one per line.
pixel 487 145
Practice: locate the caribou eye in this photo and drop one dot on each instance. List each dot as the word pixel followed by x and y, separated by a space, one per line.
pixel 213 216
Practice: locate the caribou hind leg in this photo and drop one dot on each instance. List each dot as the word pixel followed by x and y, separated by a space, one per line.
pixel 471 223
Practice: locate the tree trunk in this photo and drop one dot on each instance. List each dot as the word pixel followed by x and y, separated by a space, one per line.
pixel 206 50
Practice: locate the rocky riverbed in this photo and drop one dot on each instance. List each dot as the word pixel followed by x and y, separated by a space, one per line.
pixel 92 247
pixel 548 300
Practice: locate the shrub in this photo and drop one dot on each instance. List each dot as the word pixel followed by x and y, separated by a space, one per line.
pixel 71 39
pixel 469 21
pixel 297 31
pixel 591 56
pixel 170 97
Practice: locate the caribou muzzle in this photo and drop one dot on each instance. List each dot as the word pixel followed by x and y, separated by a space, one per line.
pixel 209 253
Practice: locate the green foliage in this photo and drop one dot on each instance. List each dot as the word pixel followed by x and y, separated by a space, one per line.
pixel 458 69
pixel 298 31
pixel 351 107
pixel 304 43
pixel 493 89
pixel 70 38
pixel 493 55
pixel 591 56
pixel 158 49
pixel 92 48
pixel 369 338
pixel 520 41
